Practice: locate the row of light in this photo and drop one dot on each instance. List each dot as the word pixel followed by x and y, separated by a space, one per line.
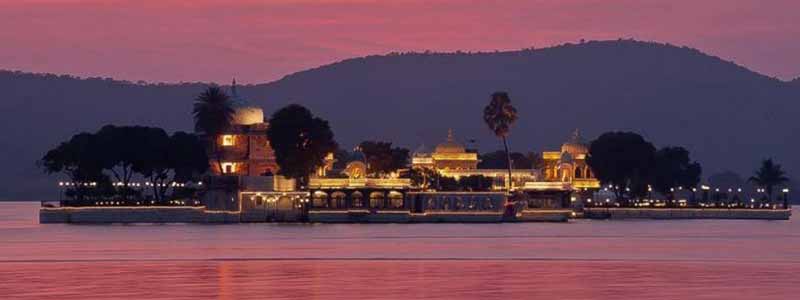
pixel 62 183
pixel 177 202
pixel 702 187
pixel 130 184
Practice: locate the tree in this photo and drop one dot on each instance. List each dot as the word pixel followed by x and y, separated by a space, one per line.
pixel 446 183
pixel 300 140
pixel 341 157
pixel 118 150
pixel 498 160
pixel 152 160
pixel 213 112
pixel 170 159
pixel 768 176
pixel 382 158
pixel 673 168
pixel 624 160
pixel 76 159
pixel 423 178
pixel 476 183
pixel 500 115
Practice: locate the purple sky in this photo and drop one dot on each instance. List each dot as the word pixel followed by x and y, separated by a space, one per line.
pixel 259 41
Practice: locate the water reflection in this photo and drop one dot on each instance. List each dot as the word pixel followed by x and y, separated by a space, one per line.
pixel 398 280
pixel 579 260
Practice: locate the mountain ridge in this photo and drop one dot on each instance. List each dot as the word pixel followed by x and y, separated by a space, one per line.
pixel 727 115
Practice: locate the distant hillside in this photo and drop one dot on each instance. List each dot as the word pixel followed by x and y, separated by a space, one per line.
pixel 727 115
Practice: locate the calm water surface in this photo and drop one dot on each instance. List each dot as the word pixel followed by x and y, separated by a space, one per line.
pixel 694 259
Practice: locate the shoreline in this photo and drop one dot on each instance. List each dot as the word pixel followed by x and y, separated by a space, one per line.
pixel 202 215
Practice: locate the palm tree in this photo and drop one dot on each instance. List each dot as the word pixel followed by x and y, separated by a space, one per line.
pixel 768 176
pixel 499 115
pixel 213 112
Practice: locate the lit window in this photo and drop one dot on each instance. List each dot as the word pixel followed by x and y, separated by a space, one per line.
pixel 228 168
pixel 227 140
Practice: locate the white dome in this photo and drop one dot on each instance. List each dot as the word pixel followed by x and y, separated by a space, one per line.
pixel 249 115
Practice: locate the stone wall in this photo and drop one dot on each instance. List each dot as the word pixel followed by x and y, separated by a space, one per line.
pixel 94 215
pixel 686 213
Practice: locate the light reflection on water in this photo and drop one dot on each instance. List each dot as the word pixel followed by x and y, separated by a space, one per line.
pixel 579 260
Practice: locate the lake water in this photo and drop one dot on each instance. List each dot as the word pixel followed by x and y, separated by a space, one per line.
pixel 675 259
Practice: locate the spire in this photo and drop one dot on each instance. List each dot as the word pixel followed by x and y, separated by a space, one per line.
pixel 576 136
pixel 450 137
pixel 238 101
pixel 234 92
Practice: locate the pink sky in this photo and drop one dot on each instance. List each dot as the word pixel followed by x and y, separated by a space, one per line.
pixel 260 41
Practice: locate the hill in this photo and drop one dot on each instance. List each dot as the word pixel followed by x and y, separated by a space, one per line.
pixel 727 115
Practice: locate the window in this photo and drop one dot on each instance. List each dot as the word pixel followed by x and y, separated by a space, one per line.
pixel 228 139
pixel 320 199
pixel 376 200
pixel 395 199
pixel 228 168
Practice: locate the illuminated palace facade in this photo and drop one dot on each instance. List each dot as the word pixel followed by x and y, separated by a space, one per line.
pixel 564 170
pixel 246 187
pixel 244 148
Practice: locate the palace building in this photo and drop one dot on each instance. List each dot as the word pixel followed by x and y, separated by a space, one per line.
pixel 563 170
pixel 244 147
pixel 449 155
pixel 569 165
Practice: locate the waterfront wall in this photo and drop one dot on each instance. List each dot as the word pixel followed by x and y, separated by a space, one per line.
pixel 686 213
pixel 105 215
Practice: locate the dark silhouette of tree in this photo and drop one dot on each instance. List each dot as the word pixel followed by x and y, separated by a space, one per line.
pixel 187 156
pixel 77 159
pixel 382 158
pixel 768 176
pixel 498 160
pixel 213 112
pixel 475 183
pixel 341 158
pixel 536 160
pixel 673 169
pixel 152 159
pixel 300 140
pixel 446 183
pixel 500 115
pixel 423 178
pixel 121 149
pixel 624 160
pixel 124 151
pixel 170 159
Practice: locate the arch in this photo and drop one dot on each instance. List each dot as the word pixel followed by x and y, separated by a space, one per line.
pixel 337 199
pixel 578 173
pixel 285 203
pixel 358 199
pixel 376 199
pixel 395 199
pixel 320 199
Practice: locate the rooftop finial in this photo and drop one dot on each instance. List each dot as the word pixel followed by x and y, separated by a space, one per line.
pixel 576 136
pixel 234 93
pixel 450 137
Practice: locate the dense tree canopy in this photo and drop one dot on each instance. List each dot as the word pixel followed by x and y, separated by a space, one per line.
pixel 382 158
pixel 124 151
pixel 300 140
pixel 78 160
pixel 624 160
pixel 673 169
pixel 498 160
